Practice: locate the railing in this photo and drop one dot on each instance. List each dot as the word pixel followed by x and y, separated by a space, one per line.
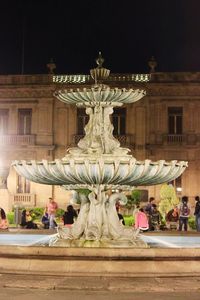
pixel 17 139
pixel 174 138
pixel 80 78
pixel 24 200
pixel 125 140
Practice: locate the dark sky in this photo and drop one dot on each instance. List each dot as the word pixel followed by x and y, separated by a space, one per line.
pixel 73 31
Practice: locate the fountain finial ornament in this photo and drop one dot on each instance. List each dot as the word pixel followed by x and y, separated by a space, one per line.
pixel 99 60
pixel 99 74
pixel 99 164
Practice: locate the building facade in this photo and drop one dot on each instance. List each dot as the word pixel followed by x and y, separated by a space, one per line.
pixel 34 125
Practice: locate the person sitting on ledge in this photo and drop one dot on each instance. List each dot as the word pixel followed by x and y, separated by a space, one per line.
pixel 172 218
pixel 69 215
pixel 141 220
pixel 45 220
pixel 3 220
pixel 26 220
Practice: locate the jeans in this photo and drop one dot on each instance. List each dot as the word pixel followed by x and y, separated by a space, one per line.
pixel 197 217
pixel 51 221
pixel 183 222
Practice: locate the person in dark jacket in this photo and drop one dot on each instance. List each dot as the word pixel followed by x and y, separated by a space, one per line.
pixel 197 212
pixel 69 215
pixel 155 218
pixel 45 220
pixel 184 213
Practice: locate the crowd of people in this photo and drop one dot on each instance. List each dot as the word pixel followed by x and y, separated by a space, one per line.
pixel 147 218
pixel 49 215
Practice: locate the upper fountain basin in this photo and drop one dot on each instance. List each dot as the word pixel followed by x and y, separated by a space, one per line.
pixel 104 170
pixel 99 94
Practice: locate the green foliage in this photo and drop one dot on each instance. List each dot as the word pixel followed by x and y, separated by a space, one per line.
pixel 192 222
pixel 168 198
pixel 10 217
pixel 36 213
pixel 129 220
pixel 59 212
pixel 133 199
pixel 85 192
pixel 135 196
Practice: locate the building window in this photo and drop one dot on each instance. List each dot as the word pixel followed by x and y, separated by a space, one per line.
pixel 82 120
pixel 175 120
pixel 24 121
pixel 119 121
pixel 4 121
pixel 23 185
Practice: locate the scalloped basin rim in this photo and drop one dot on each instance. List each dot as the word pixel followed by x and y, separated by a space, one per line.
pixel 97 89
pixel 66 162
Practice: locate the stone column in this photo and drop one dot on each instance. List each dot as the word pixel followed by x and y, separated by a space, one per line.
pixel 140 132
pixel 4 193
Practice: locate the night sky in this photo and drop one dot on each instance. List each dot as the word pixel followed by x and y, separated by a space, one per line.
pixel 73 32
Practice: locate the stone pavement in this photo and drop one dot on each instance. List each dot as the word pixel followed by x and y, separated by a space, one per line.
pixel 33 294
pixel 31 287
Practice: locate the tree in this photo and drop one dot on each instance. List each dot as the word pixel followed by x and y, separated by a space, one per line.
pixel 168 198
pixel 133 199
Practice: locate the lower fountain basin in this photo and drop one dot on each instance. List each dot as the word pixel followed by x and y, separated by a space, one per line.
pixel 19 258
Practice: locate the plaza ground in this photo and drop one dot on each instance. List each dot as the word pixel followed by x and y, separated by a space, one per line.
pixel 15 286
pixel 23 287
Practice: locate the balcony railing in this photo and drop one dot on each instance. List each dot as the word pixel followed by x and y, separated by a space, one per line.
pixel 17 140
pixel 125 140
pixel 174 138
pixel 26 200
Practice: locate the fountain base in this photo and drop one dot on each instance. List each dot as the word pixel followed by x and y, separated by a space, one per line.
pixel 81 243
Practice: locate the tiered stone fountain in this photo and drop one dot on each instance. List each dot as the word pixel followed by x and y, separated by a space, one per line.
pixel 99 164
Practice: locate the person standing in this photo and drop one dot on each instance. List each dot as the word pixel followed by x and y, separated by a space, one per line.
pixel 184 212
pixel 155 218
pixel 52 207
pixel 149 207
pixel 148 210
pixel 197 212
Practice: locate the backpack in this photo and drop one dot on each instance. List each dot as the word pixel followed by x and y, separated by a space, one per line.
pixel 185 211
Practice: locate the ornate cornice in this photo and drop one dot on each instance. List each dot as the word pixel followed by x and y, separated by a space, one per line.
pixel 26 93
pixel 154 89
pixel 175 77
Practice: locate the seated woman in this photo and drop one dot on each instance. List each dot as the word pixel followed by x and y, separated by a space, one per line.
pixel 69 215
pixel 141 220
pixel 3 220
pixel 26 220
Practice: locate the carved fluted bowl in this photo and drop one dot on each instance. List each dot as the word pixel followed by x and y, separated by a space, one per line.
pixel 125 171
pixel 99 94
